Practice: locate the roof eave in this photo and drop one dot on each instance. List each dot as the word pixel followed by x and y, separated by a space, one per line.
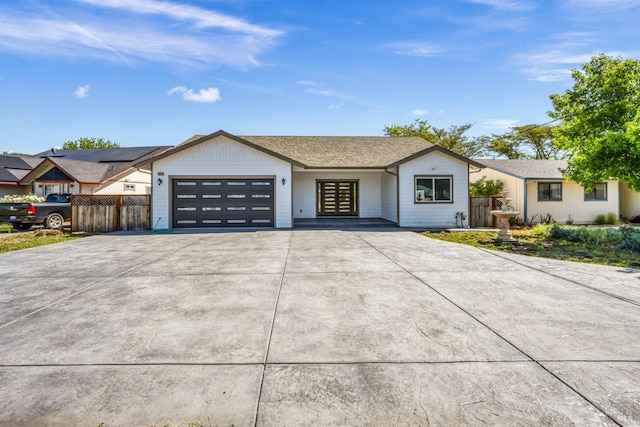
pixel 440 149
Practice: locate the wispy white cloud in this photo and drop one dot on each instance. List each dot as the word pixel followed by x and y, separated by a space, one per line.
pixel 555 61
pixel 82 91
pixel 211 94
pixel 605 4
pixel 189 36
pixel 419 112
pixel 203 18
pixel 344 96
pixel 498 124
pixel 508 5
pixel 412 48
pixel 306 83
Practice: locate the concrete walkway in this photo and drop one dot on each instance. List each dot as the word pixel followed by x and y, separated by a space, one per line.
pixel 311 327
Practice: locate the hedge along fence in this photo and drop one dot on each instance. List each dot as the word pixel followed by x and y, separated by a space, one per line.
pixel 105 213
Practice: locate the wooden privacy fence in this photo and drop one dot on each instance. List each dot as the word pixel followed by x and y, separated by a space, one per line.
pixel 481 207
pixel 105 213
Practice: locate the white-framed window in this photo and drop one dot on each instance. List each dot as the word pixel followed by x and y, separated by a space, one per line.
pixel 598 193
pixel 129 187
pixel 433 189
pixel 550 191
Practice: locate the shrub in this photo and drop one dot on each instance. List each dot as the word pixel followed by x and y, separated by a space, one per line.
pixel 630 239
pixel 612 218
pixel 482 187
pixel 601 219
pixel 542 229
pixel 22 198
pixel 599 236
pixel 635 219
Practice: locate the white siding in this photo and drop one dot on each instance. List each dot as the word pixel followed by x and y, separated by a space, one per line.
pixel 629 201
pixel 220 157
pixel 140 180
pixel 433 215
pixel 389 197
pixel 573 203
pixel 304 191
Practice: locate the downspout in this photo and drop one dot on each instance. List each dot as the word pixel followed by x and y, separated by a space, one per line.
pixel 525 201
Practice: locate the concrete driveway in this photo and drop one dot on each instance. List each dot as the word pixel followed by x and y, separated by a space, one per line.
pixel 294 328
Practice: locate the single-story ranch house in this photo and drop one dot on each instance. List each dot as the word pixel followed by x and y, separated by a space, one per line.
pixel 90 171
pixel 223 180
pixel 538 188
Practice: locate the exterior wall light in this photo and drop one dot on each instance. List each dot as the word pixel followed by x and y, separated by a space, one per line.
pixel 284 181
pixel 159 181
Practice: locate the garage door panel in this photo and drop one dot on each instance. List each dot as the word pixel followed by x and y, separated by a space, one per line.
pixel 229 202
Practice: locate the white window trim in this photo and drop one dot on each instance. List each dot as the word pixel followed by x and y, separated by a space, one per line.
pixel 416 193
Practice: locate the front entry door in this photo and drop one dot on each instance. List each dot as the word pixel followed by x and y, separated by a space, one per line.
pixel 337 198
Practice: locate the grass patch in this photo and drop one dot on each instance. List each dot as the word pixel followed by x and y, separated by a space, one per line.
pixel 6 228
pixel 32 239
pixel 541 243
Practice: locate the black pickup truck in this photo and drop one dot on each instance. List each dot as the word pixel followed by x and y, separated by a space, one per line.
pixel 52 213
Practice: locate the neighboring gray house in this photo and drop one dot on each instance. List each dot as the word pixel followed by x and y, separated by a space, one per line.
pixel 538 188
pixel 221 180
pixel 12 170
pixel 91 171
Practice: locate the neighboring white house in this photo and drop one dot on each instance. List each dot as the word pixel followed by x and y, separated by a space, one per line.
pixel 221 180
pixel 92 171
pixel 538 189
pixel 629 201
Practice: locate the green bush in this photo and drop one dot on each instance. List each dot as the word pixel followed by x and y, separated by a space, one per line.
pixel 601 219
pixel 482 187
pixel 598 236
pixel 612 218
pixel 22 198
pixel 543 229
pixel 631 238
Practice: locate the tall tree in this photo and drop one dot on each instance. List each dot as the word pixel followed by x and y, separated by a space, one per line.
pixel 526 142
pixel 600 118
pixel 87 143
pixel 453 139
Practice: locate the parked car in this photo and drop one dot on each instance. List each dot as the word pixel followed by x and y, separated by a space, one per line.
pixel 52 213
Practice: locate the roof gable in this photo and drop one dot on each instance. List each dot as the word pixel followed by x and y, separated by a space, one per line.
pixel 327 152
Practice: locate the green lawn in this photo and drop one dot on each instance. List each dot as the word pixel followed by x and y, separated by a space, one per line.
pixel 537 244
pixel 16 241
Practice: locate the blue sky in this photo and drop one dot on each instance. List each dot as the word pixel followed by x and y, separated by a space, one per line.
pixel 145 72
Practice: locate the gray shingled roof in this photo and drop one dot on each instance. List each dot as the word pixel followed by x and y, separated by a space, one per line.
pixel 330 151
pixel 106 155
pixel 13 168
pixel 527 168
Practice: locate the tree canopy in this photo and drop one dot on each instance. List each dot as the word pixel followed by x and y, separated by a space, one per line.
pixel 600 122
pixel 525 142
pixel 453 139
pixel 87 143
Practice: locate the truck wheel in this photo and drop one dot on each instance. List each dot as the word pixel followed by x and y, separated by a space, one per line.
pixel 54 221
pixel 21 226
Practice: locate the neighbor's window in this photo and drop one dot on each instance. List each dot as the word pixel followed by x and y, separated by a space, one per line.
pixel 550 191
pixel 431 189
pixel 129 187
pixel 598 193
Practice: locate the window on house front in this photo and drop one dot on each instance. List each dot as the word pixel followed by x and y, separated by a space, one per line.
pixel 598 193
pixel 550 191
pixel 129 187
pixel 433 189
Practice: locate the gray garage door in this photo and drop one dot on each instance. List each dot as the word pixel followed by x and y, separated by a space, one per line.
pixel 223 202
